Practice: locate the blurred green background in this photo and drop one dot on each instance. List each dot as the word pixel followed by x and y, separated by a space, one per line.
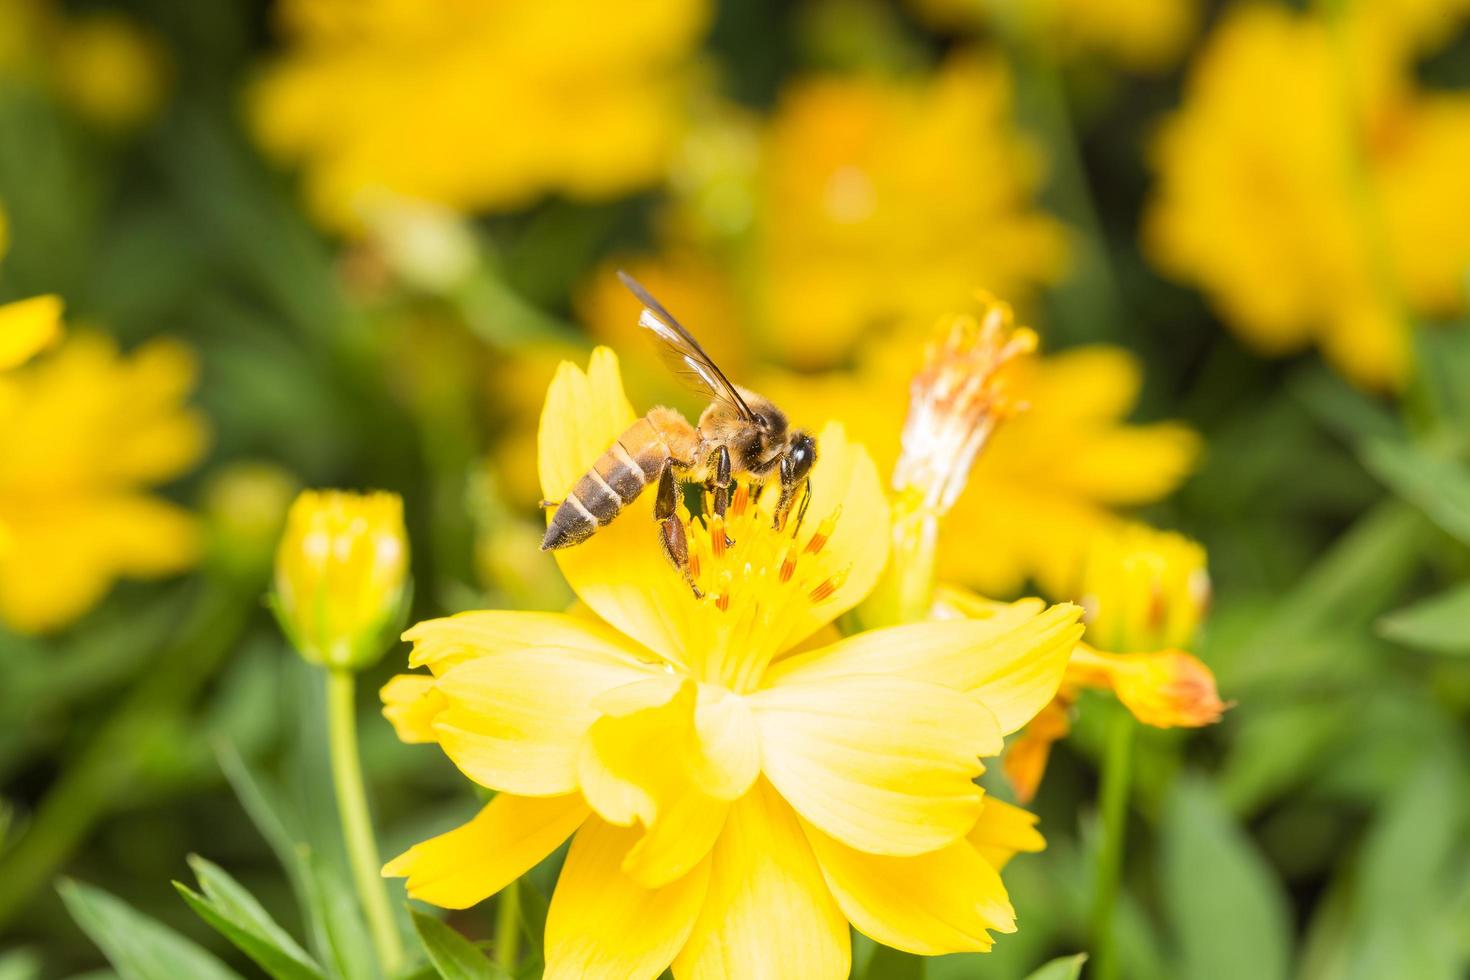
pixel 376 278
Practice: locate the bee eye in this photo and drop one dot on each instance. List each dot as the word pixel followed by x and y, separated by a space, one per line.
pixel 760 420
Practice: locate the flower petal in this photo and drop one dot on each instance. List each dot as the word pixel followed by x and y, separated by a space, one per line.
pixel 1003 831
pixel 686 829
pixel 930 904
pixel 26 327
pixel 515 718
pixel 602 923
pixel 725 756
pixel 441 643
pixel 411 703
pixel 883 764
pixel 1013 661
pixel 845 479
pixel 506 839
pixel 768 912
pixel 631 763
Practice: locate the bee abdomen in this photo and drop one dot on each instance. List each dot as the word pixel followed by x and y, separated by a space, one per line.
pixel 615 480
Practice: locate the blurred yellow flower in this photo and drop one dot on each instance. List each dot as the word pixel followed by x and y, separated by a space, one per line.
pixel 865 203
pixel 83 434
pixel 1312 191
pixel 100 63
pixel 886 201
pixel 738 787
pixel 474 104
pixel 341 584
pixel 1145 35
pixel 1048 479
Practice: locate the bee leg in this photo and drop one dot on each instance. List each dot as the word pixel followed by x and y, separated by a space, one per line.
pixel 720 482
pixel 548 504
pixel 670 529
pixel 783 505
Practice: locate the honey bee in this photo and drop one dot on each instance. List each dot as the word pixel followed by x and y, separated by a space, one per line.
pixel 741 433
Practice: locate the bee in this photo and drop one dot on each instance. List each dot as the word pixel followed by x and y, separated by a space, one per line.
pixel 741 433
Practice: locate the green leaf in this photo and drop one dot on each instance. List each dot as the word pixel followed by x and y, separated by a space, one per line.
pixel 891 964
pixel 139 947
pixel 1217 889
pixel 454 956
pixel 233 912
pixel 338 935
pixel 1439 624
pixel 1061 968
pixel 20 964
pixel 1439 487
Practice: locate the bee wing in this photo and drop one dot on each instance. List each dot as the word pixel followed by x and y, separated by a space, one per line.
pixel 683 353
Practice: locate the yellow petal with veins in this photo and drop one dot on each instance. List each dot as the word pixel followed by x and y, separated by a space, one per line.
pixel 1003 831
pixel 1013 661
pixel 506 839
pixel 411 703
pixel 515 719
pixel 884 764
pixel 768 912
pixel 603 924
pixel 441 643
pixel 935 903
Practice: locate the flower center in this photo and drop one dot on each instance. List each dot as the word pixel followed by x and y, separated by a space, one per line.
pixel 756 583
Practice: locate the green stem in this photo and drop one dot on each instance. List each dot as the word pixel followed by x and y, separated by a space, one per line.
pixel 508 927
pixel 1116 777
pixel 93 783
pixel 357 824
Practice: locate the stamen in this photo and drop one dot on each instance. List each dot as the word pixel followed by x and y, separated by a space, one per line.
pixel 739 501
pixel 788 564
pixel 694 564
pixel 717 536
pixel 722 601
pixel 823 533
pixel 824 589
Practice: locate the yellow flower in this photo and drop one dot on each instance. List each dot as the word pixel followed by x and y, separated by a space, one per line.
pixel 869 202
pixel 1313 192
pixel 740 783
pixel 474 104
pixel 887 201
pixel 1146 35
pixel 83 434
pixel 1048 479
pixel 342 576
pixel 1144 590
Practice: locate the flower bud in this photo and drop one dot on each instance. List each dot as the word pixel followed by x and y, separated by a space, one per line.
pixel 342 576
pixel 1166 689
pixel 244 508
pixel 1143 589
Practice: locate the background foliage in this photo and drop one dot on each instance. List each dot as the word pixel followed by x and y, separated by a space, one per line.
pixel 1319 831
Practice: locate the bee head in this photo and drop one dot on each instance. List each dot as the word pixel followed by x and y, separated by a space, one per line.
pixel 799 459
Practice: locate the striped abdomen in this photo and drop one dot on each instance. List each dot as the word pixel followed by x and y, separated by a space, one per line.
pixel 619 476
